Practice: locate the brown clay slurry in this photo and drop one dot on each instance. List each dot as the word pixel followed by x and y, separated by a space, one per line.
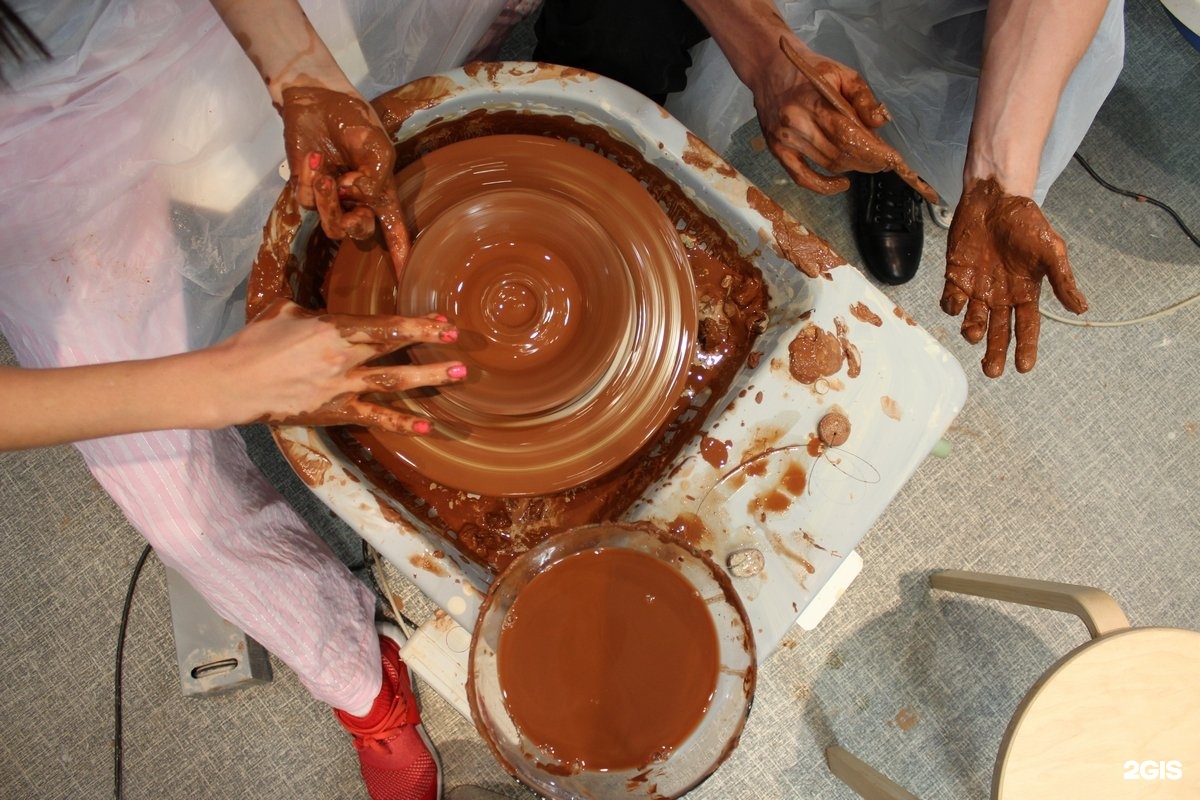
pixel 608 659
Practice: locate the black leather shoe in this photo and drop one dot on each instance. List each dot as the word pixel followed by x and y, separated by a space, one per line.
pixel 888 226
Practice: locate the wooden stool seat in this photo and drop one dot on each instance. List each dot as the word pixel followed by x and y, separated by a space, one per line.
pixel 1117 717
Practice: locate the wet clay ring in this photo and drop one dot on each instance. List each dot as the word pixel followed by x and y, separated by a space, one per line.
pixel 573 298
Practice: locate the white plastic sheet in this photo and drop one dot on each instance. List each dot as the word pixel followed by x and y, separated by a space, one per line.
pixel 148 144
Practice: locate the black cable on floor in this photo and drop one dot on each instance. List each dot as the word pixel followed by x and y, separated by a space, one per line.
pixel 1141 198
pixel 133 579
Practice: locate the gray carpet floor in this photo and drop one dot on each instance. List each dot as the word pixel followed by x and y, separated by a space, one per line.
pixel 1083 471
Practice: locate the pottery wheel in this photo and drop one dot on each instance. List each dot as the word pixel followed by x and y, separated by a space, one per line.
pixel 574 302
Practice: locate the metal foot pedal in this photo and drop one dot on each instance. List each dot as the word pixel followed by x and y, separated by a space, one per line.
pixel 214 655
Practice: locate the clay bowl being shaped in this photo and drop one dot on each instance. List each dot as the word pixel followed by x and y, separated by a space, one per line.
pixel 574 301
pixel 611 661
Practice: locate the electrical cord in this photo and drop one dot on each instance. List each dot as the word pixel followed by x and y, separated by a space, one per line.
pixel 133 579
pixel 1141 198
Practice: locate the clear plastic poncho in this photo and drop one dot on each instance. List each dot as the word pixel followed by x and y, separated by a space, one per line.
pixel 141 161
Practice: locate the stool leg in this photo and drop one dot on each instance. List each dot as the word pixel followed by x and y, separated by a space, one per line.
pixel 869 783
pixel 1098 610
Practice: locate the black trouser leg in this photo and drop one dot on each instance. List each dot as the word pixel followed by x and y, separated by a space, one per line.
pixel 641 43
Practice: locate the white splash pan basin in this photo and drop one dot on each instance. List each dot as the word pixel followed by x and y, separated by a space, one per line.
pixel 907 394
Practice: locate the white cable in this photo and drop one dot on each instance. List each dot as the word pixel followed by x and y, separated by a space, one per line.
pixel 1120 323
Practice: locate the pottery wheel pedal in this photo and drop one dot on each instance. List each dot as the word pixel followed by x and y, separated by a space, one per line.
pixel 214 656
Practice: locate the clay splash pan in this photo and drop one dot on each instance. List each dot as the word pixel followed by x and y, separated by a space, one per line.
pixel 528 449
pixel 574 300
pixel 741 431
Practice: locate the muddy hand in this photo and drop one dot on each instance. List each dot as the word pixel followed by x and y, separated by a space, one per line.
pixel 312 369
pixel 343 163
pixel 817 110
pixel 1000 247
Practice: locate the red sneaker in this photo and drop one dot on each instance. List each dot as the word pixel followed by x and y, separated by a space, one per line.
pixel 397 759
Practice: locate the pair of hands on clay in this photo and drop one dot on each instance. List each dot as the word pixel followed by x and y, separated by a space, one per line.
pixel 288 366
pixel 293 366
pixel 1000 246
pixel 342 163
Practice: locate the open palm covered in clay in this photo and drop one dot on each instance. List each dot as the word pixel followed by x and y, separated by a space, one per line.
pixel 1000 248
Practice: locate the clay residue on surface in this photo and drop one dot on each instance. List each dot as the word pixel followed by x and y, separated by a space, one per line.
pixel 396 106
pixel 714 451
pixel 794 479
pixel 426 562
pixel 533 72
pixel 772 501
pixel 833 429
pixel 782 549
pixel 853 359
pixel 890 407
pixel 906 719
pixel 698 154
pixel 902 314
pixel 811 254
pixel 690 529
pixel 489 68
pixel 311 466
pixel 813 354
pixel 862 313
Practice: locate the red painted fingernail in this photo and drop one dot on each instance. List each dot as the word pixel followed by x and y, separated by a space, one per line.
pixel 457 371
pixel 314 160
pixel 343 192
pixel 442 318
pixel 421 426
pixel 448 336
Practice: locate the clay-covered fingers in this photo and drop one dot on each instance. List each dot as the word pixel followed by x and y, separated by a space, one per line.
pixel 365 408
pixel 1058 272
pixel 1028 323
pixel 369 414
pixel 357 222
pixel 999 336
pixel 976 320
pixel 304 174
pixel 842 88
pixel 388 333
pixel 411 376
pixel 383 199
pixel 803 174
pixel 372 184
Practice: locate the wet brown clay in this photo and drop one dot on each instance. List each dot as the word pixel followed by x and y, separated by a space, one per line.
pixel 583 655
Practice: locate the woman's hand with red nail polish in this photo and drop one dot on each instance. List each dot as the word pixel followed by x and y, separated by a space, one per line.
pixel 296 367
